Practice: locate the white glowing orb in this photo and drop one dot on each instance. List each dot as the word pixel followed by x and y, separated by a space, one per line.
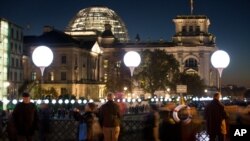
pixel 46 101
pixel 132 59
pixel 91 100
pixel 72 101
pixel 60 101
pixel 14 101
pixel 42 56
pixel 39 101
pixel 79 101
pixel 66 101
pixel 85 101
pixel 53 101
pixel 220 59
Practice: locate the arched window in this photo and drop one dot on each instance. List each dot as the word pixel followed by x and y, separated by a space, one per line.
pixel 191 63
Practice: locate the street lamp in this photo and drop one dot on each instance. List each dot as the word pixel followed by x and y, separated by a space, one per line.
pixel 42 57
pixel 220 60
pixel 132 59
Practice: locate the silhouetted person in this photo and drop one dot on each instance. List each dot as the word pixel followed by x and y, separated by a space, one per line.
pixel 110 117
pixel 168 129
pixel 44 122
pixel 89 117
pixel 151 125
pixel 214 114
pixel 25 117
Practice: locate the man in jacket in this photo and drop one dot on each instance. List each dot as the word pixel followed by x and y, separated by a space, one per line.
pixel 214 114
pixel 25 117
pixel 110 119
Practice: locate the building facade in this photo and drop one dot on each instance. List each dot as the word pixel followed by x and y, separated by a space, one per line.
pixel 75 68
pixel 11 51
pixel 81 55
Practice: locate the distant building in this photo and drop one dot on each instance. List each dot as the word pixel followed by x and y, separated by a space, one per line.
pixel 11 51
pixel 82 53
pixel 75 68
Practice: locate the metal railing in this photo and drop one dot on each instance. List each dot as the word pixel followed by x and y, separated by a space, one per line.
pixel 131 130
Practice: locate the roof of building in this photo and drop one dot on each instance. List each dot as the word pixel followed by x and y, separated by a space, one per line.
pixel 95 18
pixel 87 44
pixel 51 37
pixel 56 36
pixel 191 17
pixel 142 45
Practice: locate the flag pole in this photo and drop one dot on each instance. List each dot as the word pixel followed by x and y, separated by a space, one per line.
pixel 191 6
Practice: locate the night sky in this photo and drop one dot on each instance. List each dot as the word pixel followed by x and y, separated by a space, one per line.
pixel 151 19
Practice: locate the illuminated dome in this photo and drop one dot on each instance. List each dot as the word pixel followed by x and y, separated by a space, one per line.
pixel 94 18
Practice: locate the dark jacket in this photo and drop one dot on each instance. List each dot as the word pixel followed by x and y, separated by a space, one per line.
pixel 110 115
pixel 25 117
pixel 214 114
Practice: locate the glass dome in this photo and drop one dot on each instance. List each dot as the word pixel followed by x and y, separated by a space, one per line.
pixel 94 18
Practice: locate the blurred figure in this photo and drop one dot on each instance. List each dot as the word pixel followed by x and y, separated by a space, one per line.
pixel 215 114
pixel 25 117
pixel 151 126
pixel 44 123
pixel 110 118
pixel 168 130
pixel 11 130
pixel 1 119
pixel 82 126
pixel 93 128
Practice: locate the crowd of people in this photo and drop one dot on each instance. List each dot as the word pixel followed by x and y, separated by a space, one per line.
pixel 103 122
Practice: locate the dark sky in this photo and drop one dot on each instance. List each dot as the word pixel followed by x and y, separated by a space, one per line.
pixel 152 19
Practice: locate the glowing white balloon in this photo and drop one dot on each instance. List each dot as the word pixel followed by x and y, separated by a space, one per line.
pixel 132 59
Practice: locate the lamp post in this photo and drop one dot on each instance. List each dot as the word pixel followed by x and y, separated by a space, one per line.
pixel 42 57
pixel 220 60
pixel 132 59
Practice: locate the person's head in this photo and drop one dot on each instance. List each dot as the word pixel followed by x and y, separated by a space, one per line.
pixel 217 96
pixel 90 107
pixel 110 96
pixel 26 97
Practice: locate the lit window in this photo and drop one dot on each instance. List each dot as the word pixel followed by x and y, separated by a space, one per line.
pixel 105 64
pixel 33 76
pixel 51 76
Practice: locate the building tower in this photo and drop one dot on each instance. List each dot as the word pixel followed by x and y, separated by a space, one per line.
pixel 194 46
